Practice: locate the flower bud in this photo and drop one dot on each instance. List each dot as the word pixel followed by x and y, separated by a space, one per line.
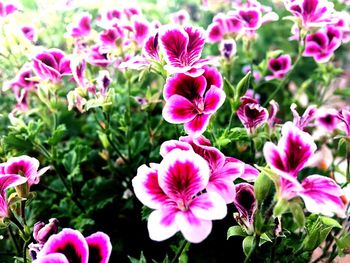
pixel 42 232
pixel 246 205
pixel 228 48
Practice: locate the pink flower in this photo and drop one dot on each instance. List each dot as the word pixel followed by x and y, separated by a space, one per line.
pixel 180 17
pixel 25 166
pixel 182 49
pixel 98 56
pixel 246 205
pixel 279 67
pixel 51 65
pixel 308 116
pixel 343 24
pixel 29 33
pixel 223 170
pixel 109 36
pixel 7 9
pixel 251 114
pixel 70 246
pixel 228 48
pixel 192 101
pixel 322 44
pixel 7 181
pixel 141 29
pixel 82 27
pixel 294 151
pixel 174 188
pixel 42 231
pixel 311 13
pixel 327 119
pixel 151 48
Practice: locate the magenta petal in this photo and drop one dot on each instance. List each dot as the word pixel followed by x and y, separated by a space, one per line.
pixel 100 247
pixel 174 41
pixel 183 174
pixel 69 242
pixel 214 98
pixel 213 77
pixel 146 187
pixel 10 180
pixel 196 41
pixel 150 48
pixel 215 32
pixel 250 173
pixel 186 86
pixel 52 258
pixel 245 202
pixel 322 195
pixel 198 125
pixel 179 110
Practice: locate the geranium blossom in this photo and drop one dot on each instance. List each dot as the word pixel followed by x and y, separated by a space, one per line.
pixel 251 114
pixel 279 67
pixel 344 116
pixel 70 246
pixel 182 49
pixel 192 101
pixel 173 188
pixel 246 205
pixel 293 152
pixel 25 166
pixel 311 13
pixel 303 121
pixel 51 65
pixel 82 26
pixel 322 44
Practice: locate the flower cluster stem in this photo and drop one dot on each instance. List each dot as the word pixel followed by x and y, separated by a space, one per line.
pixel 252 250
pixel 178 254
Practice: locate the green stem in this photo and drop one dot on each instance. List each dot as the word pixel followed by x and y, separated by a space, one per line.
pixel 180 250
pixel 26 243
pixel 252 250
pixel 14 241
pixel 23 211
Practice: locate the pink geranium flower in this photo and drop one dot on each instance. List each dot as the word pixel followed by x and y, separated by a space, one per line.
pixel 82 27
pixel 327 119
pixel 29 33
pixel 246 205
pixel 223 170
pixel 308 116
pixel 7 9
pixel 174 188
pixel 294 151
pixel 322 44
pixel 182 49
pixel 180 17
pixel 311 13
pixel 25 166
pixel 70 246
pixel 51 65
pixel 7 181
pixel 279 67
pixel 344 116
pixel 192 101
pixel 252 114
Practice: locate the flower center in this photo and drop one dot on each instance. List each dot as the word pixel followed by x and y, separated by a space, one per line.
pixel 200 105
pixel 182 205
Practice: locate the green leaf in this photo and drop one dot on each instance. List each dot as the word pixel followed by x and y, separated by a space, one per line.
pixel 57 134
pixel 235 231
pixel 280 207
pixel 264 238
pixel 228 88
pixel 343 244
pixel 141 260
pixel 248 243
pixel 343 92
pixel 330 222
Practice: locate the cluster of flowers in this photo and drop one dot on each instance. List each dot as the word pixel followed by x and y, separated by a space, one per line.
pixel 189 187
pixel 332 27
pixel 68 245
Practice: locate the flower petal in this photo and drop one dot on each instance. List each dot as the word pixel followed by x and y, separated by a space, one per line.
pixel 178 109
pixel 214 98
pixel 209 206
pixel 69 242
pixel 194 230
pixel 196 41
pixel 183 174
pixel 100 247
pixel 147 189
pixel 52 258
pixel 322 195
pixel 198 125
pixel 170 145
pixel 161 224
